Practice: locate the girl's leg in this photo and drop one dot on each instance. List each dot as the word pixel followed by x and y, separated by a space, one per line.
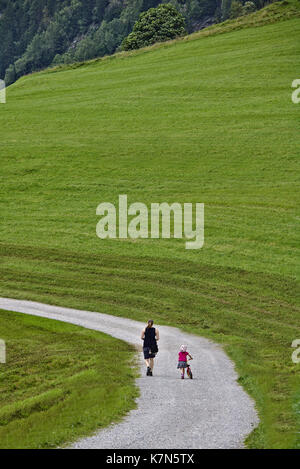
pixel 151 363
pixel 182 372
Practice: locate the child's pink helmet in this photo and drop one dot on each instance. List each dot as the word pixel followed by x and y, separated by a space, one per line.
pixel 183 348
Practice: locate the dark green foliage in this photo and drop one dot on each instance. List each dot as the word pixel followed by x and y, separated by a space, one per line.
pixel 155 25
pixel 236 9
pixel 10 75
pixel 35 34
pixel 225 8
pixel 38 33
pixel 239 9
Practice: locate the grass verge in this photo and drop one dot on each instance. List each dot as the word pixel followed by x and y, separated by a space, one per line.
pixel 60 382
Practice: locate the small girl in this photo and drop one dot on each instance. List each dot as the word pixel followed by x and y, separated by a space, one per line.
pixel 182 359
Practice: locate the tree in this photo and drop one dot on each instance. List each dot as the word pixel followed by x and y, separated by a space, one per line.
pixel 85 50
pixel 225 7
pixel 236 9
pixel 10 75
pixel 249 7
pixel 155 25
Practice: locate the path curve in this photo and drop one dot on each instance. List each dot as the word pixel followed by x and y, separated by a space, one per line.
pixel 210 411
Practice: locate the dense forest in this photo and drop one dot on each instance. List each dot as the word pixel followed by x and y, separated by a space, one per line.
pixel 35 34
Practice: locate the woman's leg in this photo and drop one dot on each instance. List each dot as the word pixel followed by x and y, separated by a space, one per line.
pixel 151 363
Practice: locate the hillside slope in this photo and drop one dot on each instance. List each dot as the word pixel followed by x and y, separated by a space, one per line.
pixel 207 120
pixel 37 33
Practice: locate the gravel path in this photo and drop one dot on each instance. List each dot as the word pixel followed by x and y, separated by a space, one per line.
pixel 211 411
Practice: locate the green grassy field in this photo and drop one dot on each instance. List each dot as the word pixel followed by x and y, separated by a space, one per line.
pixel 60 381
pixel 209 119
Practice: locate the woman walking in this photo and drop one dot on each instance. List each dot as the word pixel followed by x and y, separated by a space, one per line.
pixel 150 336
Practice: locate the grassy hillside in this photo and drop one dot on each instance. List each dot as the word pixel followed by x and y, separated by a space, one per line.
pixel 207 120
pixel 60 381
pixel 36 34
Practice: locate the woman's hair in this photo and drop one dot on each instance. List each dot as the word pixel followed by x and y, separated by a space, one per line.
pixel 150 323
pixel 183 348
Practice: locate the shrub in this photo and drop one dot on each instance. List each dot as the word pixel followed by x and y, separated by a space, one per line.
pixel 155 25
pixel 249 7
pixel 236 9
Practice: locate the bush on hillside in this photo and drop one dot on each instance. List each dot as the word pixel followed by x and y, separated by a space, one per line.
pixel 238 9
pixel 249 7
pixel 155 25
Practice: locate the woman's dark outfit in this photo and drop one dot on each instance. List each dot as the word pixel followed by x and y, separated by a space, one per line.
pixel 150 345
